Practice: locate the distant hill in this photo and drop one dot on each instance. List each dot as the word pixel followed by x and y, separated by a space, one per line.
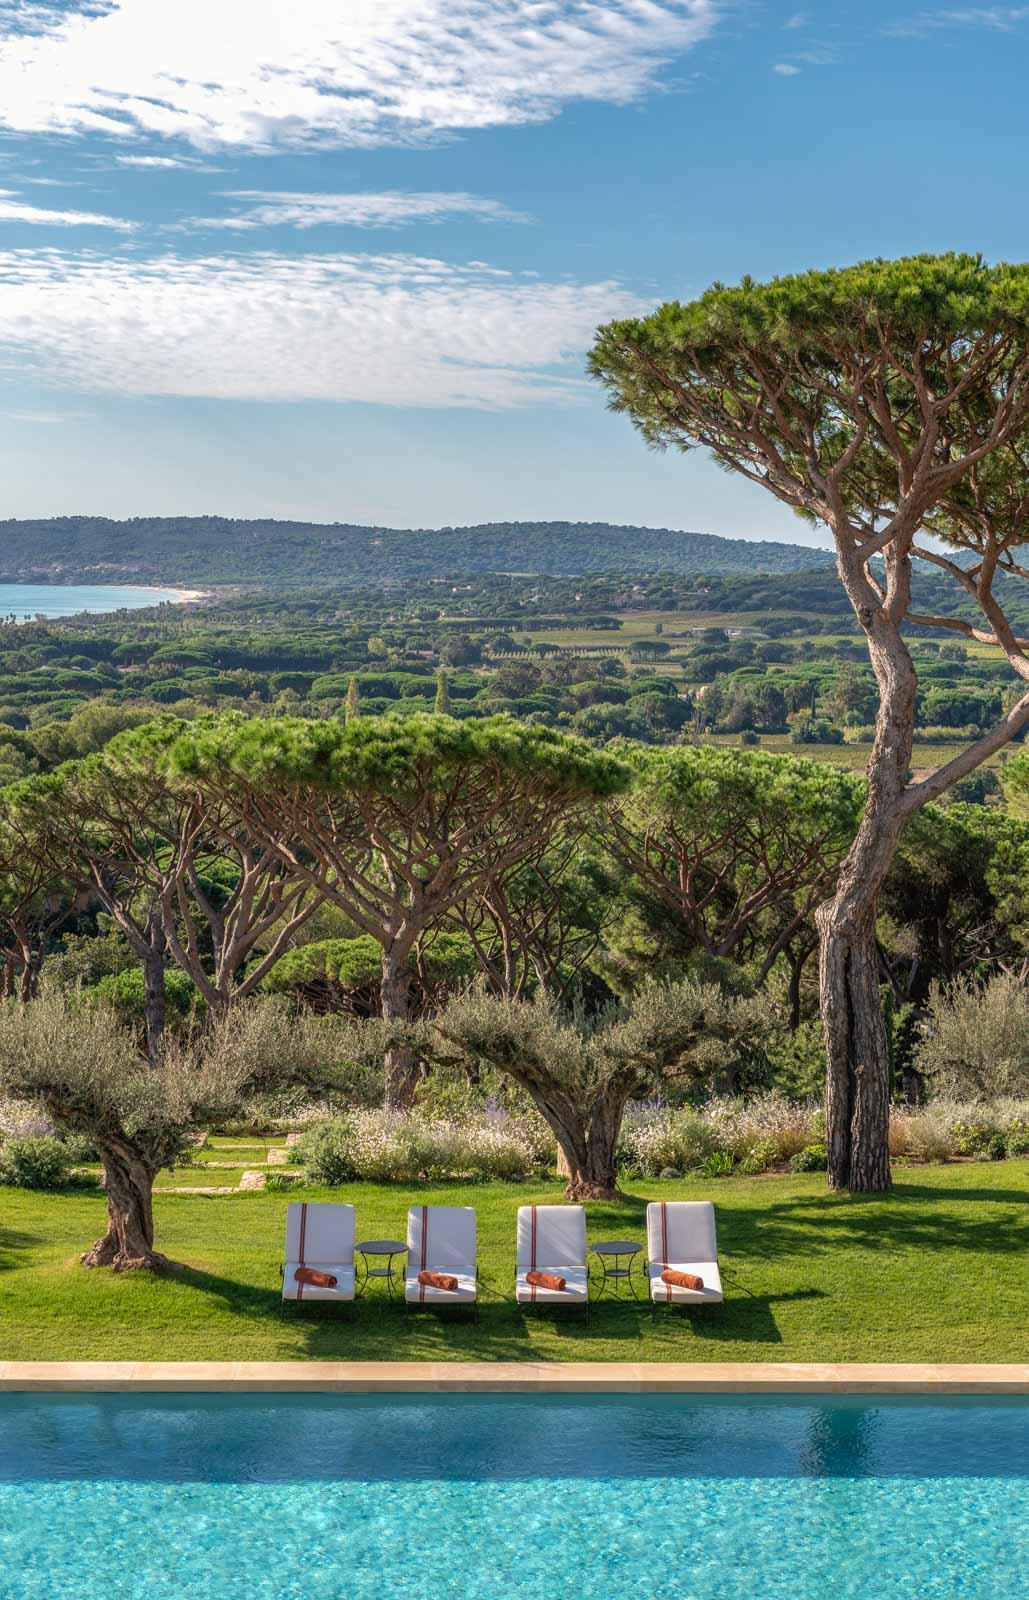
pixel 199 550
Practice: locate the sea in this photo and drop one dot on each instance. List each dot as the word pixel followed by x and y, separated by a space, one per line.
pixel 27 601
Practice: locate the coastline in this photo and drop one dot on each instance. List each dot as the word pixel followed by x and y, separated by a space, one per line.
pixel 182 596
pixel 26 600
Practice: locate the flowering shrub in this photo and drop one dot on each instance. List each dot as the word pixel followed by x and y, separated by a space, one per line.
pixel 754 1135
pixel 947 1128
pixel 396 1147
pixel 340 1145
pixel 769 1131
pixel 21 1121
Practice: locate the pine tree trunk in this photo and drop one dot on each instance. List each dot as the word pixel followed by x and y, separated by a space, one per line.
pixel 402 1070
pixel 857 1089
pixel 153 992
pixel 128 1244
pixel 857 1097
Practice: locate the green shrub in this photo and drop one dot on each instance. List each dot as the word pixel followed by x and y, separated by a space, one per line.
pixel 767 1153
pixel 37 1162
pixel 974 1138
pixel 813 1158
pixel 324 1152
pixel 719 1164
pixel 126 993
pixel 1017 1138
pixel 280 1182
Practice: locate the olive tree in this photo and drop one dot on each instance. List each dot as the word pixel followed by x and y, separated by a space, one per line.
pixel 975 1040
pixel 395 820
pixel 581 1072
pixel 879 401
pixel 85 1068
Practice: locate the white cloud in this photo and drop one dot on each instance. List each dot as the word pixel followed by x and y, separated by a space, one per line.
pixel 798 20
pixel 785 70
pixel 997 19
pixel 390 209
pixel 12 210
pixel 384 329
pixel 161 161
pixel 232 72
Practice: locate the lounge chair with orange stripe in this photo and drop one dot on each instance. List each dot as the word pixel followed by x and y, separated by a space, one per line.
pixel 319 1248
pixel 681 1236
pixel 552 1240
pixel 441 1240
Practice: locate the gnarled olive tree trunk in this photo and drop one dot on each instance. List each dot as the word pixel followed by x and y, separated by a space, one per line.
pixel 128 1244
pixel 857 1097
pixel 587 1143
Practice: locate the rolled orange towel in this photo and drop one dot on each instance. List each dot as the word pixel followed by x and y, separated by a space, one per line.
pixel 437 1280
pixel 681 1280
pixel 545 1280
pixel 317 1280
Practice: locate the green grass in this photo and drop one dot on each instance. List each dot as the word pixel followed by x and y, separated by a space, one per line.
pixel 936 1271
pixel 924 756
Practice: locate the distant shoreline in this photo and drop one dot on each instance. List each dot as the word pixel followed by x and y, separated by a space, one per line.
pixel 182 595
pixel 27 600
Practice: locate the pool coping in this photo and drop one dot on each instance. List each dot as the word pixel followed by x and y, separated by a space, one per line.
pixel 510 1377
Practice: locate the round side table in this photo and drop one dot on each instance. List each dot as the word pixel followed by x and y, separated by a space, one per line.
pixel 611 1253
pixel 370 1249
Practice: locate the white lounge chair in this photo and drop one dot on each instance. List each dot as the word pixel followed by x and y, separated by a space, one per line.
pixel 681 1235
pixel 320 1236
pixel 441 1239
pixel 552 1239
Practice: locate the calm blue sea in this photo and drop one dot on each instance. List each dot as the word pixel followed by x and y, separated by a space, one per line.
pixel 59 600
pixel 324 1497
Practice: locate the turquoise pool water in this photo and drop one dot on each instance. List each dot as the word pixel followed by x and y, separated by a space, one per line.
pixel 511 1498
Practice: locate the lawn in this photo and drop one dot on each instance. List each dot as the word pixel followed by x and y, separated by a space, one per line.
pixel 936 1271
pixel 924 756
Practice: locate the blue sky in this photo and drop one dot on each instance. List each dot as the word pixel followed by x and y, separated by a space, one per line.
pixel 342 261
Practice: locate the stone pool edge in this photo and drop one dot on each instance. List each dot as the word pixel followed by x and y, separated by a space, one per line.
pixel 466 1377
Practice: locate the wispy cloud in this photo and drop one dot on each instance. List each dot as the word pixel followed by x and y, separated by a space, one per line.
pixel 163 162
pixel 997 19
pixel 383 329
pixel 13 210
pixel 798 20
pixel 785 69
pixel 232 73
pixel 42 418
pixel 390 209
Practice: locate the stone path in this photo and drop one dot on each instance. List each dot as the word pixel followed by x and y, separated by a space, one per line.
pixel 251 1178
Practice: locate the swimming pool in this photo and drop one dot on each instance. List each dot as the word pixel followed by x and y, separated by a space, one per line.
pixel 511 1497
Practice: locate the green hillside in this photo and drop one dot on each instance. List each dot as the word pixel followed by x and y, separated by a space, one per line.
pixel 198 550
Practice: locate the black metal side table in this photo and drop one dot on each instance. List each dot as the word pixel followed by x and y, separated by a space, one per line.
pixel 369 1249
pixel 616 1251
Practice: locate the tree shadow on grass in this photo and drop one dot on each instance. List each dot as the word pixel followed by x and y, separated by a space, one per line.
pixel 12 1244
pixel 911 1217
